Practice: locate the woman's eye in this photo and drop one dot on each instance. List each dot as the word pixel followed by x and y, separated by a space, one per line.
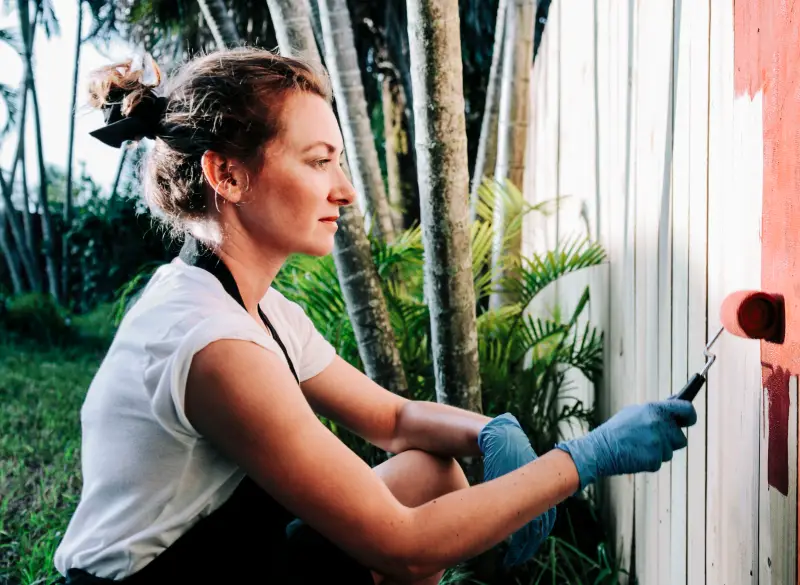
pixel 322 162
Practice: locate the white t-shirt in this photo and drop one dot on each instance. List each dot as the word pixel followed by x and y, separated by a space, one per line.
pixel 148 475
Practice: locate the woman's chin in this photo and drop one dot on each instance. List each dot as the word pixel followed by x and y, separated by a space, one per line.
pixel 321 247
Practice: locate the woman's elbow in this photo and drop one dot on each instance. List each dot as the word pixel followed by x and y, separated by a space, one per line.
pixel 398 557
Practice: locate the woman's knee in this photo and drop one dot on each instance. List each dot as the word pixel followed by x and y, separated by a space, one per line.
pixel 416 477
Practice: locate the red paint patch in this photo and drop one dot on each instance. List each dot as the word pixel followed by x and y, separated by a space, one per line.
pixel 767 59
pixel 776 382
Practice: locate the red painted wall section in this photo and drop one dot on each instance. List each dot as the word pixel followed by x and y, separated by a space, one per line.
pixel 767 59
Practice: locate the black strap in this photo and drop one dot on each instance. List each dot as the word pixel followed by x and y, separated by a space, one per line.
pixel 195 253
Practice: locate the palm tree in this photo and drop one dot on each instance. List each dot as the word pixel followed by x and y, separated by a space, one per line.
pixel 220 22
pixel 47 223
pixel 342 62
pixel 70 151
pixel 512 125
pixel 293 22
pixel 436 75
pixel 392 136
pixel 20 245
pixel 487 145
pixel 366 305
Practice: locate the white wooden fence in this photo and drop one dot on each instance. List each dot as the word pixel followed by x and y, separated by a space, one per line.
pixel 635 120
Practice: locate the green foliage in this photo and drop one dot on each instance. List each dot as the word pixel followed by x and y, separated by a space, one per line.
pixel 34 316
pixel 110 240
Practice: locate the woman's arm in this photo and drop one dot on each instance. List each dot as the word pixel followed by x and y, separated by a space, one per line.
pixel 438 428
pixel 273 434
pixel 346 395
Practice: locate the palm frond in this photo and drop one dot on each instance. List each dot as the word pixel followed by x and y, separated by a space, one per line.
pixel 533 274
pixel 10 97
pixel 402 259
pixel 48 18
pixel 585 352
pixel 533 333
pixel 11 37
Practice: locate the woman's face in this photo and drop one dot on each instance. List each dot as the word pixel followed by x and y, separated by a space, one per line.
pixel 294 201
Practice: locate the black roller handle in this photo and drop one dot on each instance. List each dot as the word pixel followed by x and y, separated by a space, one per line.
pixel 692 387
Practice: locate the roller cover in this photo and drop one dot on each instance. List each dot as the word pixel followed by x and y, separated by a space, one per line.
pixel 753 314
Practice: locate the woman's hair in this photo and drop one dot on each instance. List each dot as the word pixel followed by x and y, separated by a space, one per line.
pixel 227 101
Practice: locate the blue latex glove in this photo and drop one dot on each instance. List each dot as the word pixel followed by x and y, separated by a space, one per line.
pixel 637 438
pixel 506 447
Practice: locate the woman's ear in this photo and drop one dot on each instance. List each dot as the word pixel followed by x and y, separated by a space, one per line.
pixel 225 178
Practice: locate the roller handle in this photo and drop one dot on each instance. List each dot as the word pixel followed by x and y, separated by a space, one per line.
pixel 692 388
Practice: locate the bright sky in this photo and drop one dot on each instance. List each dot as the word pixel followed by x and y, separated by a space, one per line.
pixel 54 67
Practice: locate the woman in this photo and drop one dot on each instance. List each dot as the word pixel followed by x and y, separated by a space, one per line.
pixel 201 446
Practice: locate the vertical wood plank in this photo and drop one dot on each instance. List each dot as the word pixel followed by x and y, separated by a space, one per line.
pixel 777 539
pixel 697 291
pixel 577 152
pixel 576 173
pixel 618 492
pixel 690 196
pixel 652 143
pixel 734 262
pixel 684 32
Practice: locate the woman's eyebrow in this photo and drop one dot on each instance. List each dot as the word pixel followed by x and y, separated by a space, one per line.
pixel 331 148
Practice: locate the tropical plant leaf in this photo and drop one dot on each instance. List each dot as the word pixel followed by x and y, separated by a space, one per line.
pixel 48 18
pixel 533 332
pixel 533 274
pixel 10 97
pixel 10 36
pixel 585 352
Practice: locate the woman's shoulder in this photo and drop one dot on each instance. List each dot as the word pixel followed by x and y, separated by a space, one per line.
pixel 176 299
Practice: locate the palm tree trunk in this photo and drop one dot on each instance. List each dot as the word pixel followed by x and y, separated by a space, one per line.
pixel 366 305
pixel 487 143
pixel 342 62
pixel 21 235
pixel 27 220
pixel 70 150
pixel 397 46
pixel 392 129
pixel 358 277
pixel 295 35
pixel 120 167
pixel 220 22
pixel 316 24
pixel 47 232
pixel 436 76
pixel 512 128
pixel 12 261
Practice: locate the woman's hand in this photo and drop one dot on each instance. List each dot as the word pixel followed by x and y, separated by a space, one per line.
pixel 505 447
pixel 638 438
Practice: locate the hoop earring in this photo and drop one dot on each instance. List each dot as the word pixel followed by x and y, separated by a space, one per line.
pixel 216 200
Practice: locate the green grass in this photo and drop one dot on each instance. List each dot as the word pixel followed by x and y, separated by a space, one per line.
pixel 41 392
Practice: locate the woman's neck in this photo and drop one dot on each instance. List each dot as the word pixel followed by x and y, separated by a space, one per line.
pixel 253 268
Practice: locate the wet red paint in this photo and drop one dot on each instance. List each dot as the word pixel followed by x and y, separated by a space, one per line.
pixel 776 382
pixel 767 59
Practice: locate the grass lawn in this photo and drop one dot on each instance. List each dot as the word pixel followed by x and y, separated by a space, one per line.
pixel 41 392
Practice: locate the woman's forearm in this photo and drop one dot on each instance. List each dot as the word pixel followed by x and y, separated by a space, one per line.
pixel 438 428
pixel 464 523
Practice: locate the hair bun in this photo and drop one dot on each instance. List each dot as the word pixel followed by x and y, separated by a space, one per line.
pixel 131 109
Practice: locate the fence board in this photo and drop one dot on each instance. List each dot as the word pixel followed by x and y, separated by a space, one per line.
pixel 734 262
pixel 777 538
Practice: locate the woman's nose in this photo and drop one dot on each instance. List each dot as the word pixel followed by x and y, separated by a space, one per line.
pixel 344 193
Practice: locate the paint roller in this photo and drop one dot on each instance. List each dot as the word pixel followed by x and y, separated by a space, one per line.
pixel 749 314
